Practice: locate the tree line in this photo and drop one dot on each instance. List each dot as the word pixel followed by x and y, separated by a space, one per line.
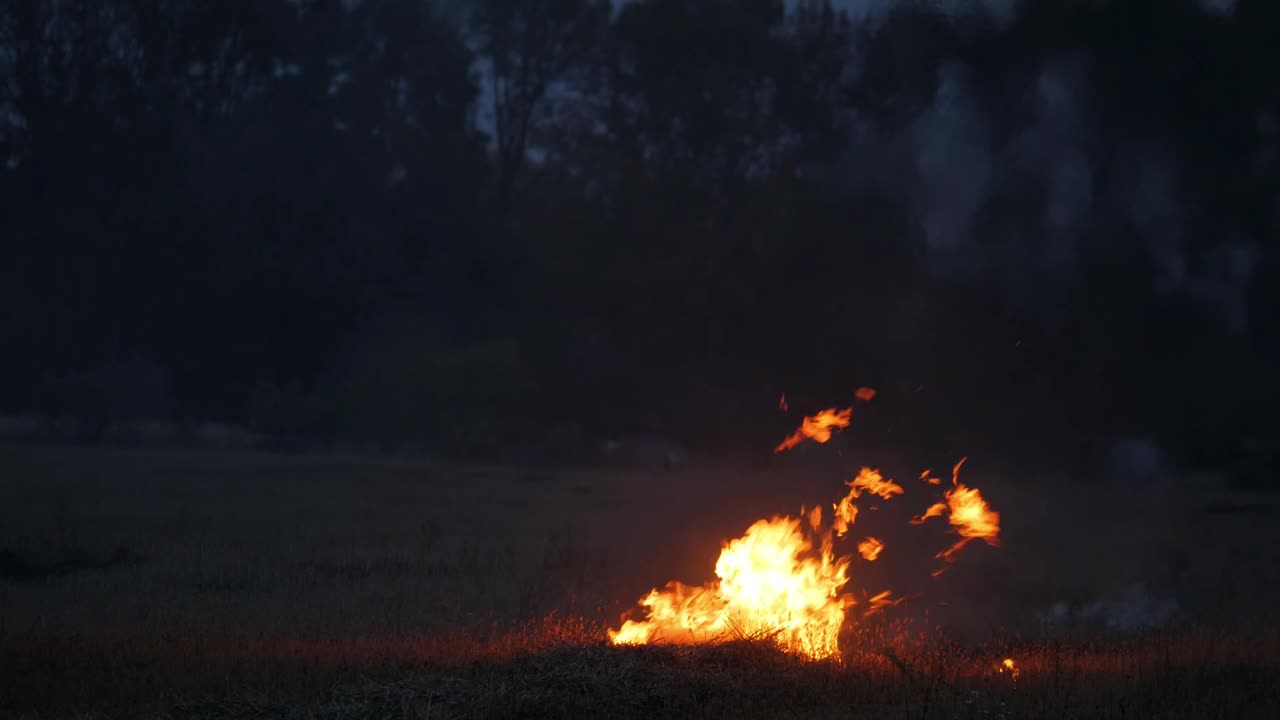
pixel 457 224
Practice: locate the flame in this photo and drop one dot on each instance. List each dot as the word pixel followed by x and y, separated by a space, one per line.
pixel 870 549
pixel 968 514
pixel 972 519
pixel 815 517
pixel 927 476
pixel 869 480
pixel 817 427
pixel 782 403
pixel 934 510
pixel 881 600
pixel 1008 666
pixel 782 578
pixel 865 394
pixel 769 583
pixel 846 513
pixel 873 482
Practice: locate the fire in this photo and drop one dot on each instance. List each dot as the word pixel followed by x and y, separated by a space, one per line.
pixel 846 513
pixel 770 582
pixel 968 514
pixel 868 480
pixel 817 427
pixel 865 394
pixel 873 482
pixel 1009 667
pixel 881 600
pixel 870 549
pixel 934 510
pixel 783 579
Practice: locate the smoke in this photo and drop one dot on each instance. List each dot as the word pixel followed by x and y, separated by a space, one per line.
pixel 1002 12
pixel 1123 609
pixel 961 167
pixel 955 166
pixel 1218 7
pixel 1007 189
pixel 1055 153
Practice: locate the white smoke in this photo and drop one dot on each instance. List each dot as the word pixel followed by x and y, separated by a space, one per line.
pixel 953 159
pixel 954 162
pixel 1124 609
pixel 960 164
pixel 1002 12
pixel 1053 151
pixel 1218 7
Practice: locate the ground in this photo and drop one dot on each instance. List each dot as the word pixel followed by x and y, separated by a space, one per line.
pixel 237 585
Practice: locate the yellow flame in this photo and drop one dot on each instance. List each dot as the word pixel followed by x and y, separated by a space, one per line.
pixel 769 583
pixel 775 581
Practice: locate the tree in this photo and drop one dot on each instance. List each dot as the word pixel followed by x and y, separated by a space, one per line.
pixel 531 47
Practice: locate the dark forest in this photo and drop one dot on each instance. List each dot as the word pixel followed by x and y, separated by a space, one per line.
pixel 1034 227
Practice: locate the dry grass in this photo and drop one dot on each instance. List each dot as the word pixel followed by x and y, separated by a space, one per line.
pixel 561 669
pixel 153 584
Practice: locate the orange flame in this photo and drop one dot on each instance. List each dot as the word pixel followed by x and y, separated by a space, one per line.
pixel 870 549
pixel 869 480
pixel 770 583
pixel 1007 666
pixel 817 427
pixel 782 578
pixel 934 510
pixel 873 482
pixel 968 514
pixel 782 403
pixel 846 513
pixel 972 519
pixel 815 517
pixel 865 394
pixel 881 600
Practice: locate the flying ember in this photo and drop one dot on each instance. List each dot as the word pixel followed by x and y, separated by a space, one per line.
pixel 817 427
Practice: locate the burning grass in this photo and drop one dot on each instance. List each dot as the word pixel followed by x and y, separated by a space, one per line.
pixel 258 586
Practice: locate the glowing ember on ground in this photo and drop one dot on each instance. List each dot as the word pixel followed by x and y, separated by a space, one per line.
pixel 782 578
pixel 817 427
pixel 1008 667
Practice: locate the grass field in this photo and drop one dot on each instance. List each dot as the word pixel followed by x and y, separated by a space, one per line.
pixel 235 585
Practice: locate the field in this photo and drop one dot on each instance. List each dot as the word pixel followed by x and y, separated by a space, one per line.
pixel 237 585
